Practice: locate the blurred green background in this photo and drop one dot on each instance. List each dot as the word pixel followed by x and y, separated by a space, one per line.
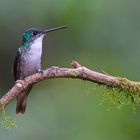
pixel 103 35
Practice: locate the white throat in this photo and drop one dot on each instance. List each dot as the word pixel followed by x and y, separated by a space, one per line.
pixel 37 44
pixel 35 51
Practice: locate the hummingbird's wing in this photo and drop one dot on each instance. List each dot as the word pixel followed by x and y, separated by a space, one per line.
pixel 16 66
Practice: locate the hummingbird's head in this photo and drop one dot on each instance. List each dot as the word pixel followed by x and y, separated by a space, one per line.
pixel 30 35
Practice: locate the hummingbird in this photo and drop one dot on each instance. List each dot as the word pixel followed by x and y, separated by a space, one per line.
pixel 28 60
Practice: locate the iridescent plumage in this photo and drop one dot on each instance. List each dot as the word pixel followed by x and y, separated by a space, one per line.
pixel 28 60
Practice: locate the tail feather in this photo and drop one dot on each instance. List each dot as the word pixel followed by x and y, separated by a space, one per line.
pixel 22 100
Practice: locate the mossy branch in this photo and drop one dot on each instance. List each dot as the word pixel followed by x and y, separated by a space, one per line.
pixel 130 88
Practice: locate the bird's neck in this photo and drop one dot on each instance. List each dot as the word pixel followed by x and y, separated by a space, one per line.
pixel 34 46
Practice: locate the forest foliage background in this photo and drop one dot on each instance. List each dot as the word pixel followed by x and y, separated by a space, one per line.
pixel 103 35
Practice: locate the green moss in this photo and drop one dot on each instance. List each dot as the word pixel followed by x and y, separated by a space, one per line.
pixel 131 90
pixel 129 86
pixel 116 99
pixel 6 121
pixel 127 93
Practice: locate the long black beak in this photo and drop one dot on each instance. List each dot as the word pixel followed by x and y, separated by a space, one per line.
pixel 54 29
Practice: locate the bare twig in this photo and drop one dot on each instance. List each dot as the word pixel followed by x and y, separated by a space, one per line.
pixel 78 72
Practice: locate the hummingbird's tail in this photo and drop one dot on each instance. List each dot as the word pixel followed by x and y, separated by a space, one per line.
pixel 22 100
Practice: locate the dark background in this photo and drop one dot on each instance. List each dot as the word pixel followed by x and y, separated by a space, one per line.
pixel 103 35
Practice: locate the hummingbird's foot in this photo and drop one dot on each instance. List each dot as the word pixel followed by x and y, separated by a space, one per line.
pixel 40 71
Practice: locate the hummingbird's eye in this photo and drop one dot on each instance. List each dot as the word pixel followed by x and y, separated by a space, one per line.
pixel 34 33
